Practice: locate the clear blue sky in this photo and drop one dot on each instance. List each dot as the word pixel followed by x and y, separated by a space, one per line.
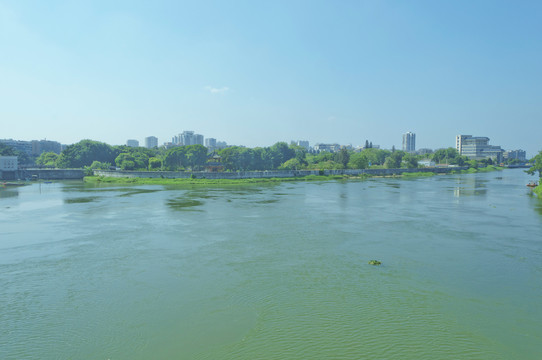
pixel 257 72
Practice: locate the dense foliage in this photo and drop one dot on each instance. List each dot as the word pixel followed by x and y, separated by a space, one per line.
pixel 536 165
pixel 93 155
pixel 47 159
pixel 84 153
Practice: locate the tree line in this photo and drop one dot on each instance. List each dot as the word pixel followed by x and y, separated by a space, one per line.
pixel 94 155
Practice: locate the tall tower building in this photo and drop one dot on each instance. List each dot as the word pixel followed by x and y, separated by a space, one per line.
pixel 409 142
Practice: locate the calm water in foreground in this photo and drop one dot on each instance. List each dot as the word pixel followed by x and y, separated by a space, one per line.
pixel 273 271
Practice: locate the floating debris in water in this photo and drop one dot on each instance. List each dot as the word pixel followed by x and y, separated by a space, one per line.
pixel 374 262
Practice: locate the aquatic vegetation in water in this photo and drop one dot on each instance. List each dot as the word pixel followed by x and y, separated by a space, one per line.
pixel 269 201
pixel 183 203
pixel 81 200
pixel 374 262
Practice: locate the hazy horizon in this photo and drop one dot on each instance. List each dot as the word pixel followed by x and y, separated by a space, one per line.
pixel 256 73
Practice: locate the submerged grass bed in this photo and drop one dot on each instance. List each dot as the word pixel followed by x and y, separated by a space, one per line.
pixel 203 181
pixel 195 181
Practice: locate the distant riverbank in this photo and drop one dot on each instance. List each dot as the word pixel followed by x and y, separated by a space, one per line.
pixel 150 178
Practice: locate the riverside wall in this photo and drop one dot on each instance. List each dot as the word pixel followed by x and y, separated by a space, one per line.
pixel 265 174
pixel 50 174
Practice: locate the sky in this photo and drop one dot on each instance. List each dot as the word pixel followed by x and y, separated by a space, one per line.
pixel 256 72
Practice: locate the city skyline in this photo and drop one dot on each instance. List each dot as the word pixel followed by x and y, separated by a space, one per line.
pixel 255 74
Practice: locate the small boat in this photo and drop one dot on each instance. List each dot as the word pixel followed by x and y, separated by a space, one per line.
pixel 13 184
pixel 532 184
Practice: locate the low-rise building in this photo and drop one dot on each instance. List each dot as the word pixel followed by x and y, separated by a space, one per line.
pixel 327 147
pixel 8 163
pixel 520 155
pixel 427 163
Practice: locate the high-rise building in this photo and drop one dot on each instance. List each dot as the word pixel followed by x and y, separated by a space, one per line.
pixel 409 142
pixel 151 142
pixel 477 148
pixel 210 143
pixel 133 143
pixel 187 138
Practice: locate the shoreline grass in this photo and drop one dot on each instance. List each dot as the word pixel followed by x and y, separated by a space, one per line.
pixel 204 181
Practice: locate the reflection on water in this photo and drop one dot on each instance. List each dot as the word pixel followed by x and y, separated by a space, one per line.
pixel 6 193
pixel 470 186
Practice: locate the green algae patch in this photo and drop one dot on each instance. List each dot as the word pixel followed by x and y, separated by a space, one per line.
pixel 375 262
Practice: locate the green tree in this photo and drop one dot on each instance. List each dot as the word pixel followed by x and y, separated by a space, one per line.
pixel 84 153
pixel 47 159
pixel 292 164
pixel 410 161
pixel 536 165
pixel 342 157
pixel 376 156
pixel 175 158
pixel 358 161
pixel 97 165
pixel 196 156
pixel 155 163
pixel 280 153
pixel 125 161
pixel 448 155
pixel 393 161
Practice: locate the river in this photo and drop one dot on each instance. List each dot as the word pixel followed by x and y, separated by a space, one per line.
pixel 273 271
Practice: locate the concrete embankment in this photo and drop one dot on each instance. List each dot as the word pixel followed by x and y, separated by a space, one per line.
pixel 265 174
pixel 49 174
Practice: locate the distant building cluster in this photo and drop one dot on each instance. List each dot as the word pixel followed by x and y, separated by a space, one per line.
pixel 34 147
pixel 473 147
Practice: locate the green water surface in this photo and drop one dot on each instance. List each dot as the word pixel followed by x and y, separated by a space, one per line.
pixel 277 271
